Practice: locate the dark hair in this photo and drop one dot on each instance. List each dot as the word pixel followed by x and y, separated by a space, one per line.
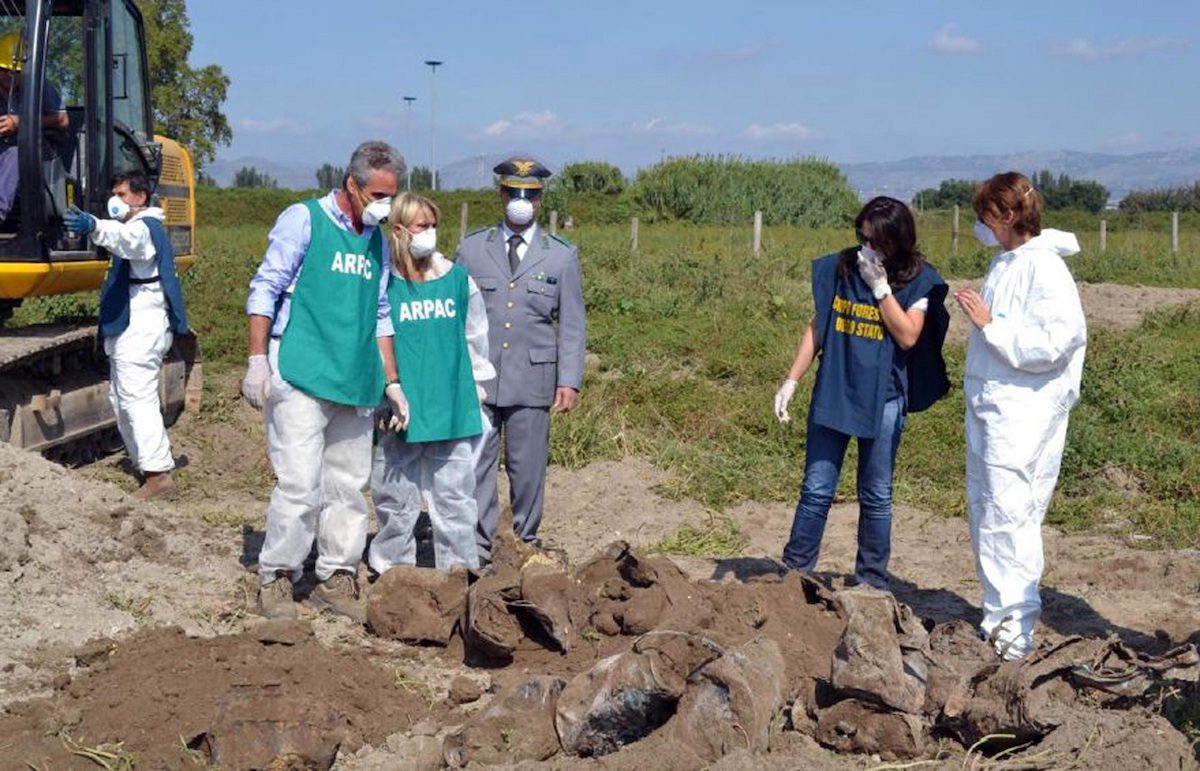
pixel 893 235
pixel 1010 192
pixel 136 180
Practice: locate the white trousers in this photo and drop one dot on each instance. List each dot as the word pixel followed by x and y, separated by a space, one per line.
pixel 441 473
pixel 134 362
pixel 1006 503
pixel 321 452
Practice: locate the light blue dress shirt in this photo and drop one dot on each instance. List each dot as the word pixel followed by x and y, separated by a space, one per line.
pixel 271 288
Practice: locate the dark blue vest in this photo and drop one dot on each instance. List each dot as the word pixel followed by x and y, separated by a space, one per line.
pixel 114 295
pixel 858 356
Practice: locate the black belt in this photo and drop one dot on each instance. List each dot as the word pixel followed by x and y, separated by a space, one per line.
pixel 145 280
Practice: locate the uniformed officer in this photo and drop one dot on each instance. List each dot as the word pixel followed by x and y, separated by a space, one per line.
pixel 531 285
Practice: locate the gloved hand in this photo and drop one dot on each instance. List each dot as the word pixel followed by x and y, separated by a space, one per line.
pixel 480 392
pixel 79 222
pixel 399 405
pixel 256 385
pixel 870 267
pixel 782 398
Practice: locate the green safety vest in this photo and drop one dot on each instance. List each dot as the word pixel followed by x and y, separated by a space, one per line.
pixel 430 318
pixel 328 348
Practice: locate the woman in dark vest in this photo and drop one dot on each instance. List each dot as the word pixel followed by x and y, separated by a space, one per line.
pixel 879 327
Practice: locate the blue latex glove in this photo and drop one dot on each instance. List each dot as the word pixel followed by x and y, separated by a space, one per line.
pixel 79 221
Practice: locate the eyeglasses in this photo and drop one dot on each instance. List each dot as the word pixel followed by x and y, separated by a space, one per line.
pixel 528 193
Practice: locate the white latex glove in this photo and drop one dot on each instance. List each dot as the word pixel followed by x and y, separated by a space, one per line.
pixel 782 398
pixel 399 405
pixel 480 392
pixel 256 385
pixel 870 267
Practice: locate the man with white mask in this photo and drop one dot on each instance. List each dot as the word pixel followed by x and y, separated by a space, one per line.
pixel 141 308
pixel 1022 376
pixel 320 356
pixel 531 285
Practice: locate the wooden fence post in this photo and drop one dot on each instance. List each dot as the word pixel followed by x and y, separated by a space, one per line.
pixel 633 234
pixel 757 233
pixel 954 232
pixel 462 228
pixel 1174 232
pixel 1103 236
pixel 554 222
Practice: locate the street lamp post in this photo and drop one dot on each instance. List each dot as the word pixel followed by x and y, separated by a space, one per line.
pixel 433 65
pixel 411 134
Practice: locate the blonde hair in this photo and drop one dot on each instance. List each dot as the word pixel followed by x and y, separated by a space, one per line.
pixel 405 209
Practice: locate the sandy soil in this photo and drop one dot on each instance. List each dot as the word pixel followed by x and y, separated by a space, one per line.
pixel 80 560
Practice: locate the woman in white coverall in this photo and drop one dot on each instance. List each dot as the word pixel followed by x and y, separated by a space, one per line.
pixel 441 347
pixel 141 307
pixel 1024 364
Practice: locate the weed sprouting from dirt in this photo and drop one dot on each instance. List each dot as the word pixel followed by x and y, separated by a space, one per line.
pixel 110 757
pixel 138 607
pixel 719 536
pixel 407 682
pixel 1182 709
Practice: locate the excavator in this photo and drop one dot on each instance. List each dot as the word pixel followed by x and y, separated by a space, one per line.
pixel 53 377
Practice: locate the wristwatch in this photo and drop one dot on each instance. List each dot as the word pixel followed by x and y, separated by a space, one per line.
pixel 882 291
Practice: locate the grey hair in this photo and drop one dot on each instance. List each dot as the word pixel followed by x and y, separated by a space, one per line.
pixel 375 156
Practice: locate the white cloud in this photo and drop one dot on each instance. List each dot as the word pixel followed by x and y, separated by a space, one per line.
pixel 525 124
pixel 795 131
pixel 1122 49
pixel 949 41
pixel 679 129
pixel 497 128
pixel 271 126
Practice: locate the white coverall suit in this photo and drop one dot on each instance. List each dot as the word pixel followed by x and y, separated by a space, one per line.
pixel 1021 378
pixel 135 356
pixel 442 473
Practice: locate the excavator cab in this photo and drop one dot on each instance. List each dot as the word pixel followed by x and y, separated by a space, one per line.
pixel 93 54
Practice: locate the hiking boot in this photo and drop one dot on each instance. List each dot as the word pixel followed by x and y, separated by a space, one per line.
pixel 158 484
pixel 339 593
pixel 275 599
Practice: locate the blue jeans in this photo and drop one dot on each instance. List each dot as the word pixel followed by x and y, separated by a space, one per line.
pixel 824 452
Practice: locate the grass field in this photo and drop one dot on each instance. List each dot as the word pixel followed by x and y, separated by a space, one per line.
pixel 694 335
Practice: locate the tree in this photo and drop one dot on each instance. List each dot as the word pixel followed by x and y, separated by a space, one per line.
pixel 946 195
pixel 248 176
pixel 422 179
pixel 187 101
pixel 330 176
pixel 1066 193
pixel 204 179
pixel 1169 199
pixel 590 177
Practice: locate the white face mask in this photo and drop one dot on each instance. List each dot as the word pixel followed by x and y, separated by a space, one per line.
pixel 376 212
pixel 519 211
pixel 985 234
pixel 118 209
pixel 421 245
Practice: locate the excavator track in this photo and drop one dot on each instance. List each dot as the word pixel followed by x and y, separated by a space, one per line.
pixel 54 390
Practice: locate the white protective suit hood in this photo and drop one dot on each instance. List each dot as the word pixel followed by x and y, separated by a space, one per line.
pixel 1060 242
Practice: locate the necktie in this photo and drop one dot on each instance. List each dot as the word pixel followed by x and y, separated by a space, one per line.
pixel 513 260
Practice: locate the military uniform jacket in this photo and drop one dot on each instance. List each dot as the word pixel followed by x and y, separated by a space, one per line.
pixel 535 317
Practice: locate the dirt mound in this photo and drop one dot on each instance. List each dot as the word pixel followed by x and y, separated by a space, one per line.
pixel 80 559
pixel 239 701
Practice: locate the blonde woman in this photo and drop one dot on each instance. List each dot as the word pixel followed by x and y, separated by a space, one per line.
pixel 442 341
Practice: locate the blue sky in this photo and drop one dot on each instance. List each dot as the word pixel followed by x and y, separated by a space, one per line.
pixel 630 81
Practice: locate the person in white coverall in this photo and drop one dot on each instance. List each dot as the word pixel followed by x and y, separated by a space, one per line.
pixel 1022 376
pixel 442 355
pixel 141 307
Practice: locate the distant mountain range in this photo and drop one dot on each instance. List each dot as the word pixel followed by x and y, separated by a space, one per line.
pixel 1119 173
pixel 902 179
pixel 469 173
